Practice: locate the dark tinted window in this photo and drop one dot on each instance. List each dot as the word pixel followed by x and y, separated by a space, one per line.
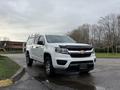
pixel 42 39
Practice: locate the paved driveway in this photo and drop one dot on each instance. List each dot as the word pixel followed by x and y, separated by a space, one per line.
pixel 106 76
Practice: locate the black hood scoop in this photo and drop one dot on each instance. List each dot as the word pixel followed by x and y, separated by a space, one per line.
pixel 76 48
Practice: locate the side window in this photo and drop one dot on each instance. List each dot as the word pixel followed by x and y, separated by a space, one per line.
pixel 30 41
pixel 36 40
pixel 41 38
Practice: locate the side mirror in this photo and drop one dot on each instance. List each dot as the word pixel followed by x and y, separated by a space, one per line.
pixel 40 43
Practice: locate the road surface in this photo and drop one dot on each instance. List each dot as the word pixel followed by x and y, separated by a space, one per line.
pixel 105 76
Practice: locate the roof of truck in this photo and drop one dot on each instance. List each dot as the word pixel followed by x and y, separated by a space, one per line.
pixel 33 35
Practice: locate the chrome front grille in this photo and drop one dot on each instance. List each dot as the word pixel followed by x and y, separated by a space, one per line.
pixel 79 51
pixel 78 55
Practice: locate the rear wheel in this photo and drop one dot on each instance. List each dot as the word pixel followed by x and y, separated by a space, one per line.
pixel 29 61
pixel 49 70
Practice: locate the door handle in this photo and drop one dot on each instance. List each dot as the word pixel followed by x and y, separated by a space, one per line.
pixel 35 47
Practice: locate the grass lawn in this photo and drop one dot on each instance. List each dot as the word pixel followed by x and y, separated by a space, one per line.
pixel 7 67
pixel 108 55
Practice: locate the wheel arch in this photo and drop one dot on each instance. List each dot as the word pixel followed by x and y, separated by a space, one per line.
pixel 27 52
pixel 47 54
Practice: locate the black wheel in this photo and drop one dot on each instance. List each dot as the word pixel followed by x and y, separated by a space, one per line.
pixel 29 61
pixel 49 70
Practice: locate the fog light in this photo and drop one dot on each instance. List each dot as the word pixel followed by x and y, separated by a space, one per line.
pixel 61 62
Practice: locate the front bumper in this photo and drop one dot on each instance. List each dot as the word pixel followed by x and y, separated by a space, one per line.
pixel 81 65
pixel 74 63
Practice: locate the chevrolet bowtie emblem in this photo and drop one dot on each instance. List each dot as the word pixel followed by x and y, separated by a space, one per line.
pixel 82 51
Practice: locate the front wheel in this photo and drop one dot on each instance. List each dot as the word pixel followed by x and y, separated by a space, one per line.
pixel 49 70
pixel 29 61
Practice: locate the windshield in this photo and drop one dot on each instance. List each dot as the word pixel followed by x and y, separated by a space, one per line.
pixel 59 39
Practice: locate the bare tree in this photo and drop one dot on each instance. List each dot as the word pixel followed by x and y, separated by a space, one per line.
pixel 93 30
pixel 104 34
pixel 110 24
pixel 6 39
pixel 81 34
pixel 3 43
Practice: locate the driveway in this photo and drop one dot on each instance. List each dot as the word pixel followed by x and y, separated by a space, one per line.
pixel 105 76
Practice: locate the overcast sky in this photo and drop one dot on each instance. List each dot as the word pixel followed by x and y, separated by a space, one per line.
pixel 20 18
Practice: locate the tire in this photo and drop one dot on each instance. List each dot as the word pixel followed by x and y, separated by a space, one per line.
pixel 29 61
pixel 49 70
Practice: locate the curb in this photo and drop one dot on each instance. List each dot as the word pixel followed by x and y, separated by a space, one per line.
pixel 13 79
pixel 18 75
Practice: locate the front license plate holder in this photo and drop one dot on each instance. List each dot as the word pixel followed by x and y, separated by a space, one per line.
pixel 83 66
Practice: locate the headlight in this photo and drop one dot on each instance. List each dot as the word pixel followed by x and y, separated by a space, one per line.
pixel 61 50
pixel 93 51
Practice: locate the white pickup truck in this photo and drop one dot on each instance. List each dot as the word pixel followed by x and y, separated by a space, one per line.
pixel 60 52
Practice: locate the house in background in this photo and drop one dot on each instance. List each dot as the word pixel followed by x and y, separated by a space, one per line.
pixel 12 46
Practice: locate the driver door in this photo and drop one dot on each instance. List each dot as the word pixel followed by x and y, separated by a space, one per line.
pixel 40 49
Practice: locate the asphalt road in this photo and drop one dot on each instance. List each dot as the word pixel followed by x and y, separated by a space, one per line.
pixel 105 76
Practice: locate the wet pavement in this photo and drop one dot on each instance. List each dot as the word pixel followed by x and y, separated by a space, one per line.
pixel 105 76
